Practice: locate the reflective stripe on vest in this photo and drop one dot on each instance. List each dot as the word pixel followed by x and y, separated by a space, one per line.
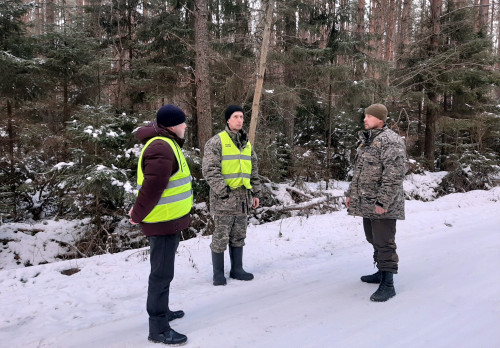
pixel 177 198
pixel 236 165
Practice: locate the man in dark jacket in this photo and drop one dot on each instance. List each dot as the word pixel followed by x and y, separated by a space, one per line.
pixel 162 208
pixel 376 194
pixel 230 168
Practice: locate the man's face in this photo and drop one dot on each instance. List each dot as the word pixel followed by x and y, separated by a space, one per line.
pixel 371 122
pixel 235 122
pixel 179 130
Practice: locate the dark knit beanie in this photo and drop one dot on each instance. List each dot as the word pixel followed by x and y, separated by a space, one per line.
pixel 170 115
pixel 377 110
pixel 231 109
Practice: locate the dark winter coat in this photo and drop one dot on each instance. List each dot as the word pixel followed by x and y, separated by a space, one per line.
pixel 158 165
pixel 379 170
pixel 223 200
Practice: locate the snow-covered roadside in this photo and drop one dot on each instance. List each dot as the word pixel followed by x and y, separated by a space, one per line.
pixel 306 292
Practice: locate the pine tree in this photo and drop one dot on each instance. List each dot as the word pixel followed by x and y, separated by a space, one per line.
pixel 19 84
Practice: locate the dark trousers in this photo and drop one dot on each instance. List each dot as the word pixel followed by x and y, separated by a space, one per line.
pixel 162 258
pixel 381 233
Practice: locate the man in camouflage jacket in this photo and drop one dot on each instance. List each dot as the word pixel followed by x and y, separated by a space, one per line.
pixel 376 194
pixel 229 206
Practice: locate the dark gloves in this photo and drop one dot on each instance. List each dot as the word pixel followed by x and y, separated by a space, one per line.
pixel 226 195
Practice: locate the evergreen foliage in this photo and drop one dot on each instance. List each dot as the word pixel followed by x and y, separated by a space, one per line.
pixel 76 82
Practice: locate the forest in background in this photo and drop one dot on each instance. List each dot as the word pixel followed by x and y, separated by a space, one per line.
pixel 77 77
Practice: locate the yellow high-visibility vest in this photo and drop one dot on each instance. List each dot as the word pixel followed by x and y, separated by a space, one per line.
pixel 236 165
pixel 177 199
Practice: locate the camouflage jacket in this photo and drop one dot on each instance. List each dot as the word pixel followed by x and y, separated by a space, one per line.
pixel 223 200
pixel 379 170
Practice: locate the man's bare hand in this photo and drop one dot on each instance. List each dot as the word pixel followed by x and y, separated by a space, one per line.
pixel 380 210
pixel 256 202
pixel 130 220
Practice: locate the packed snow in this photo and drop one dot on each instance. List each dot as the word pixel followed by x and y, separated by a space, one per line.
pixel 306 291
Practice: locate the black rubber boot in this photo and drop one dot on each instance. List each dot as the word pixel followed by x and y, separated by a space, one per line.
pixel 237 271
pixel 374 278
pixel 170 337
pixel 218 264
pixel 172 315
pixel 386 288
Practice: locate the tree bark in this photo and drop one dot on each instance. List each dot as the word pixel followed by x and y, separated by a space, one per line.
pixel 12 165
pixel 262 69
pixel 360 19
pixel 202 78
pixel 389 36
pixel 404 30
pixel 432 105
pixel 483 16
pixel 498 31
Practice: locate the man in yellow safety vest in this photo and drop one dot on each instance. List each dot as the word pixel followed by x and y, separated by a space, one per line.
pixel 162 208
pixel 230 169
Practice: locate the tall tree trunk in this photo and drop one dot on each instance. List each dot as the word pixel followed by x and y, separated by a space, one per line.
pixel 419 128
pixel 65 102
pixel 498 32
pixel 430 130
pixel 50 16
pixel 202 77
pixel 360 37
pixel 38 19
pixel 389 35
pixel 492 20
pixel 329 142
pixel 12 165
pixel 404 31
pixel 483 16
pixel 360 19
pixel 432 105
pixel 262 70
pixel 476 15
pixel 193 121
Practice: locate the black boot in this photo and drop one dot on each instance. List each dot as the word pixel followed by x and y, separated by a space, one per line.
pixel 218 264
pixel 237 271
pixel 169 337
pixel 172 315
pixel 386 289
pixel 374 278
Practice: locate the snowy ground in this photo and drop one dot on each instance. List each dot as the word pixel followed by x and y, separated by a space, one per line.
pixel 306 291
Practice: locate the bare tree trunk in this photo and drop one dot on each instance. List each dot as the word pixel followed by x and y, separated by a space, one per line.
pixel 389 37
pixel 329 142
pixel 193 120
pixel 360 19
pixel 360 34
pixel 483 16
pixel 379 29
pixel 202 77
pixel 404 30
pixel 492 20
pixel 498 31
pixel 476 15
pixel 497 65
pixel 38 19
pixel 419 128
pixel 50 16
pixel 65 102
pixel 431 112
pixel 12 166
pixel 430 130
pixel 262 69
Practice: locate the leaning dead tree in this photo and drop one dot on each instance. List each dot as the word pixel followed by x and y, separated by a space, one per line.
pixel 261 71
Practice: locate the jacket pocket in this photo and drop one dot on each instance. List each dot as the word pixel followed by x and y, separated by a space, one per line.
pixel 229 204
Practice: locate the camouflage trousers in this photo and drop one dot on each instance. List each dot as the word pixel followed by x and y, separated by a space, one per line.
pixel 229 229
